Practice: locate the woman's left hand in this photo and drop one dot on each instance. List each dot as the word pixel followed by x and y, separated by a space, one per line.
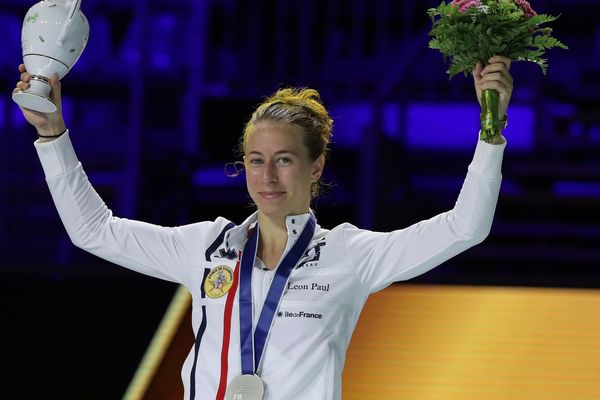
pixel 495 75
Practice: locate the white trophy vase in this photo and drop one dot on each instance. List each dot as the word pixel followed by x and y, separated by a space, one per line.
pixel 53 37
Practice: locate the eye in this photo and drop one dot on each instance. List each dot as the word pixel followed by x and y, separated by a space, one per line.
pixel 255 161
pixel 284 160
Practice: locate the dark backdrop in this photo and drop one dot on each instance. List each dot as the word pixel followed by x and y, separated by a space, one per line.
pixel 156 105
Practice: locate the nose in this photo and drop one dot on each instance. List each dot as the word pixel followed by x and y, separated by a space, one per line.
pixel 270 172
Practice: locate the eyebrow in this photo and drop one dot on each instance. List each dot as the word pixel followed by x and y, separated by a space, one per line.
pixel 276 153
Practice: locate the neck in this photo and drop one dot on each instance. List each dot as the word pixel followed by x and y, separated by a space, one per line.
pixel 272 240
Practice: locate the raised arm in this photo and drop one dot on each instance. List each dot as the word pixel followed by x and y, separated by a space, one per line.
pixel 153 250
pixel 382 258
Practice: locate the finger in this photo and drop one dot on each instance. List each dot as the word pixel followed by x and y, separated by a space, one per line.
pixel 22 68
pixel 495 67
pixel 22 85
pixel 495 70
pixel 501 59
pixel 497 76
pixel 502 89
pixel 25 77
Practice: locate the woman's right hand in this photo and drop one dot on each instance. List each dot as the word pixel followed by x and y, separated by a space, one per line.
pixel 46 124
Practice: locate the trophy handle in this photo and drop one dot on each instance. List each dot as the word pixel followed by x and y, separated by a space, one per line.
pixel 75 5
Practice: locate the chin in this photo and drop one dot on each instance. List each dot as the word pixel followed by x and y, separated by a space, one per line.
pixel 271 211
pixel 275 212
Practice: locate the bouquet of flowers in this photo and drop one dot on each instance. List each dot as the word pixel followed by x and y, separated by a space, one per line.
pixel 472 31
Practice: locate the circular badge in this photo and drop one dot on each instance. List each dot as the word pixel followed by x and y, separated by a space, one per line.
pixel 218 281
pixel 245 387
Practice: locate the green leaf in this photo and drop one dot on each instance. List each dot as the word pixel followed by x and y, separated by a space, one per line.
pixel 466 38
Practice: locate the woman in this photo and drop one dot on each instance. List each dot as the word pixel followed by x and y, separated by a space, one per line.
pixel 275 299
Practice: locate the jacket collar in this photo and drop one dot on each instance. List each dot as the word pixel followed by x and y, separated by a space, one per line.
pixel 236 237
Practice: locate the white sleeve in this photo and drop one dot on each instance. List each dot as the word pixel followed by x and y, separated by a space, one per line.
pixel 382 258
pixel 150 249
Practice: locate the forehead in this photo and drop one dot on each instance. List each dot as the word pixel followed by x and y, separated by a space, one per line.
pixel 271 136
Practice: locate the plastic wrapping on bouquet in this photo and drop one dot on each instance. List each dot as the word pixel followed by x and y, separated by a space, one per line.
pixel 491 126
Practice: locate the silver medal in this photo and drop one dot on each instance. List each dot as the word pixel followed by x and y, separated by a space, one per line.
pixel 245 387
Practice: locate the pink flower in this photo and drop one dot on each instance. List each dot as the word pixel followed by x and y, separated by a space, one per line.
pixel 464 5
pixel 526 7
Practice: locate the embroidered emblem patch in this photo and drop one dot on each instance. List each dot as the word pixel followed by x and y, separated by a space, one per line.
pixel 218 281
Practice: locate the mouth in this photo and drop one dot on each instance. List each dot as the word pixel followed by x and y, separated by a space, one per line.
pixel 271 195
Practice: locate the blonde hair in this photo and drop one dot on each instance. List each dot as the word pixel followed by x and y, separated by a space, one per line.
pixel 301 107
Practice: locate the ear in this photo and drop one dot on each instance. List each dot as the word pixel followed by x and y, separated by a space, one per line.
pixel 318 166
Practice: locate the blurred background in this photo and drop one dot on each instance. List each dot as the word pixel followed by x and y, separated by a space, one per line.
pixel 156 105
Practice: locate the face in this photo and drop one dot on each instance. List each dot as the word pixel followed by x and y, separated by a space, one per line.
pixel 279 172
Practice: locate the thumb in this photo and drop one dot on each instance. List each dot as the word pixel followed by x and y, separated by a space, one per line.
pixel 477 71
pixel 55 94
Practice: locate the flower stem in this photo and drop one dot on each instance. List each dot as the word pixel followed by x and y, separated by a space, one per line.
pixel 490 125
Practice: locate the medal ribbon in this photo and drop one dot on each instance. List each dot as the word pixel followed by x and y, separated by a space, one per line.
pixel 252 346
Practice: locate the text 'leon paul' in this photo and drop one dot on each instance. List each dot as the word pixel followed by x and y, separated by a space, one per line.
pixel 309 286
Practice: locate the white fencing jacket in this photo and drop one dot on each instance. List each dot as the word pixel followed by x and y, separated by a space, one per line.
pixel 305 351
